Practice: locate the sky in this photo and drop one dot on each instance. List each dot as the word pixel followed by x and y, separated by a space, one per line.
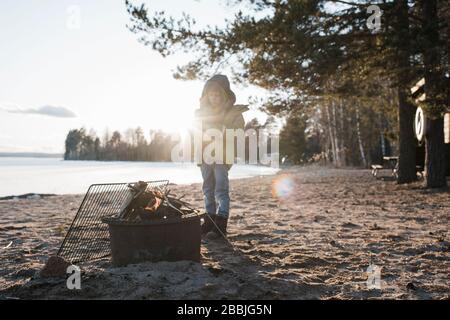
pixel 71 64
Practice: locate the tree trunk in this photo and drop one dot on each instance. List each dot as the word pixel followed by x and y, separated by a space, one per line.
pixel 406 112
pixel 382 137
pixel 342 130
pixel 434 138
pixel 335 134
pixel 358 132
pixel 383 144
pixel 435 166
pixel 330 132
pixel 407 140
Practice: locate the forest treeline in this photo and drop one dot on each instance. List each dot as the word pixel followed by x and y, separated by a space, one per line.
pixel 116 146
pixel 301 140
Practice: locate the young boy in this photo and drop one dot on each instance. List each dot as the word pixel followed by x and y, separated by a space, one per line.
pixel 217 110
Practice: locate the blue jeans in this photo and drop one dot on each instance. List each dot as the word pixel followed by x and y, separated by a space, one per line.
pixel 216 188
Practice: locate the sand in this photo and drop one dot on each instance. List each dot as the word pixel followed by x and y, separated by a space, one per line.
pixel 314 239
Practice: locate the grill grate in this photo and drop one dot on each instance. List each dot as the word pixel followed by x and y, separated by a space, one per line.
pixel 88 237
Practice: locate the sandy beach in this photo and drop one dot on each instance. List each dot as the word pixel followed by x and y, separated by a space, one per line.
pixel 305 233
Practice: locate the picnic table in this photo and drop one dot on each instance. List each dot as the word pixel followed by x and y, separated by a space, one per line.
pixel 392 164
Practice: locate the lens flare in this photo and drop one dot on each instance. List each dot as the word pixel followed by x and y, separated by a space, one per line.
pixel 282 187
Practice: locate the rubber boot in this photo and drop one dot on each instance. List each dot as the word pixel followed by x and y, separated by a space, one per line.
pixel 221 223
pixel 208 225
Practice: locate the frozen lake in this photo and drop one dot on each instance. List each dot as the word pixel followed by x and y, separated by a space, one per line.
pixel 52 175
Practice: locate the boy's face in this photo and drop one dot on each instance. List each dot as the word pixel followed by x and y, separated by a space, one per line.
pixel 216 97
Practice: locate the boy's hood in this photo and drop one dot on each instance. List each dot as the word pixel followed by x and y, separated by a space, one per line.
pixel 224 83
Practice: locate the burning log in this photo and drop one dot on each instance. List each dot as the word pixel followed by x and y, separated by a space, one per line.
pixel 136 190
pixel 153 204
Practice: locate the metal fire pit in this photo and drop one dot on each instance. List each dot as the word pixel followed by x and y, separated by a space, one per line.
pixel 161 240
pixel 88 236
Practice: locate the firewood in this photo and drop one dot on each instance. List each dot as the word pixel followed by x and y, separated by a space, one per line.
pixel 154 204
pixel 137 189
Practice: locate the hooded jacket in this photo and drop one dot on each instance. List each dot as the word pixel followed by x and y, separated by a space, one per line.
pixel 228 117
